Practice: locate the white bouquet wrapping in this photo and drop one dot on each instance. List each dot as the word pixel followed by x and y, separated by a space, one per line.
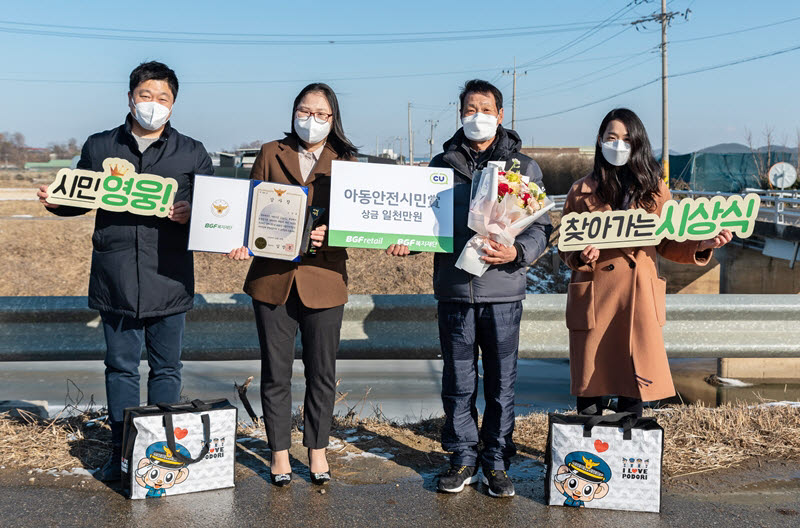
pixel 503 205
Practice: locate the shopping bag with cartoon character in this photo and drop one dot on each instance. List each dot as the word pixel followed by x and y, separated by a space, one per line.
pixel 611 462
pixel 180 448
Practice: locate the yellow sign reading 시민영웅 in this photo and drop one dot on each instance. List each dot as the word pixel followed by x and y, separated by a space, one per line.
pixel 118 188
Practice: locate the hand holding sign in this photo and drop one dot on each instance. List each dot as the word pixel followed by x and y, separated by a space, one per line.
pixel 180 212
pixel 42 195
pixel 398 250
pixel 241 253
pixel 590 254
pixel 718 241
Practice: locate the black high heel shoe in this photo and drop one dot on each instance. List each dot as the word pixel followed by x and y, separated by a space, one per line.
pixel 319 478
pixel 281 479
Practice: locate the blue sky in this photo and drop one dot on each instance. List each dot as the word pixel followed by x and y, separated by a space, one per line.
pixel 53 87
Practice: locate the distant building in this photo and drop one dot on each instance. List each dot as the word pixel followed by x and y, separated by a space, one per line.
pixel 222 159
pixel 226 159
pixel 245 157
pixel 37 150
pixel 367 158
pixel 581 151
pixel 53 164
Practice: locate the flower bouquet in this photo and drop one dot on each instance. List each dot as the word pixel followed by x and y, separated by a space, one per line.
pixel 503 204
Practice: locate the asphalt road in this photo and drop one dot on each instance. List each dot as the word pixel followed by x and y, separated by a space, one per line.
pixel 396 496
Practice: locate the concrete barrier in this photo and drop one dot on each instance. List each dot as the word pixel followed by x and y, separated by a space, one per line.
pixel 221 327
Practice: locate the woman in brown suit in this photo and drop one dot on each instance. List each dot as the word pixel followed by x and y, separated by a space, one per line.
pixel 616 302
pixel 309 294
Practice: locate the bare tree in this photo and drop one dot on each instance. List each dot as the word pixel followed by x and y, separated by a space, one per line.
pixel 252 144
pixel 65 150
pixel 762 165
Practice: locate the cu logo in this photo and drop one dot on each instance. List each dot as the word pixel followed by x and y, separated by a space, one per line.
pixel 439 178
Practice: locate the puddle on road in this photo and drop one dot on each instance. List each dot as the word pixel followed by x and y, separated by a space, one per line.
pixel 689 376
pixel 524 468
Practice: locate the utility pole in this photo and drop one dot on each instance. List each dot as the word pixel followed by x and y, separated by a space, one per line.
pixel 664 18
pixel 399 151
pixel 664 104
pixel 514 93
pixel 430 139
pixel 458 114
pixel 376 147
pixel 410 138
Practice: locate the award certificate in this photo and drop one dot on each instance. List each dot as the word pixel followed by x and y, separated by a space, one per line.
pixel 268 218
pixel 277 216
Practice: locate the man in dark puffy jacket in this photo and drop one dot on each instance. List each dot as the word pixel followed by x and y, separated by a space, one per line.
pixel 142 276
pixel 481 312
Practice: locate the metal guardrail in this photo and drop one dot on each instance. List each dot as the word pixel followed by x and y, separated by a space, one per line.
pixel 221 327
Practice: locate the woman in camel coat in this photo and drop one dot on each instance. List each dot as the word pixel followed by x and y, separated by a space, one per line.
pixel 616 299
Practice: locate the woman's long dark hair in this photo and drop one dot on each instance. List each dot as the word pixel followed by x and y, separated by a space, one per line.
pixel 639 178
pixel 336 137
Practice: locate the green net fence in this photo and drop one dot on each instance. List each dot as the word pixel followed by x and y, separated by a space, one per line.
pixel 725 172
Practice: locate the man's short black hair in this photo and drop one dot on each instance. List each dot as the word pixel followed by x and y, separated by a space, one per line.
pixel 483 87
pixel 157 71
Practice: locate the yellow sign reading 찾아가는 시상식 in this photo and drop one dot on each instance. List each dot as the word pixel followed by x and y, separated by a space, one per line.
pixel 689 219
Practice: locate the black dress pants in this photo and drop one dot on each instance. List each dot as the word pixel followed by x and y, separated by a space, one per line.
pixel 319 329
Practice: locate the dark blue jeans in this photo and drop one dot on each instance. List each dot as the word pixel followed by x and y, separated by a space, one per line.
pixel 494 329
pixel 162 336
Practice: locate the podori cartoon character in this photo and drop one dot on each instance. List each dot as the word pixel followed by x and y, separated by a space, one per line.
pixel 160 470
pixel 582 478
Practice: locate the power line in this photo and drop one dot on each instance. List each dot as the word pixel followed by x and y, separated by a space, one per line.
pixel 320 41
pixel 569 84
pixel 584 50
pixel 648 83
pixel 265 81
pixel 591 59
pixel 335 79
pixel 566 25
pixel 657 79
pixel 736 32
pixel 609 21
pixel 551 88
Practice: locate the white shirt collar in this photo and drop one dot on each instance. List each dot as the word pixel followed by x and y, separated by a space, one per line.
pixel 315 154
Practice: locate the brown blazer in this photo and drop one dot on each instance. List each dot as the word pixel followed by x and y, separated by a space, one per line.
pixel 321 280
pixel 616 307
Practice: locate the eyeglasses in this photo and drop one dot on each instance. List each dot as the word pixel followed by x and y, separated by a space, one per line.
pixel 319 117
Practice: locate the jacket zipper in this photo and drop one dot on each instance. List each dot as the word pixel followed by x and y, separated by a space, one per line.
pixel 471 298
pixel 136 250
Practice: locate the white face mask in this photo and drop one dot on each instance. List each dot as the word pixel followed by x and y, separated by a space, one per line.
pixel 616 152
pixel 479 127
pixel 310 131
pixel 151 115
